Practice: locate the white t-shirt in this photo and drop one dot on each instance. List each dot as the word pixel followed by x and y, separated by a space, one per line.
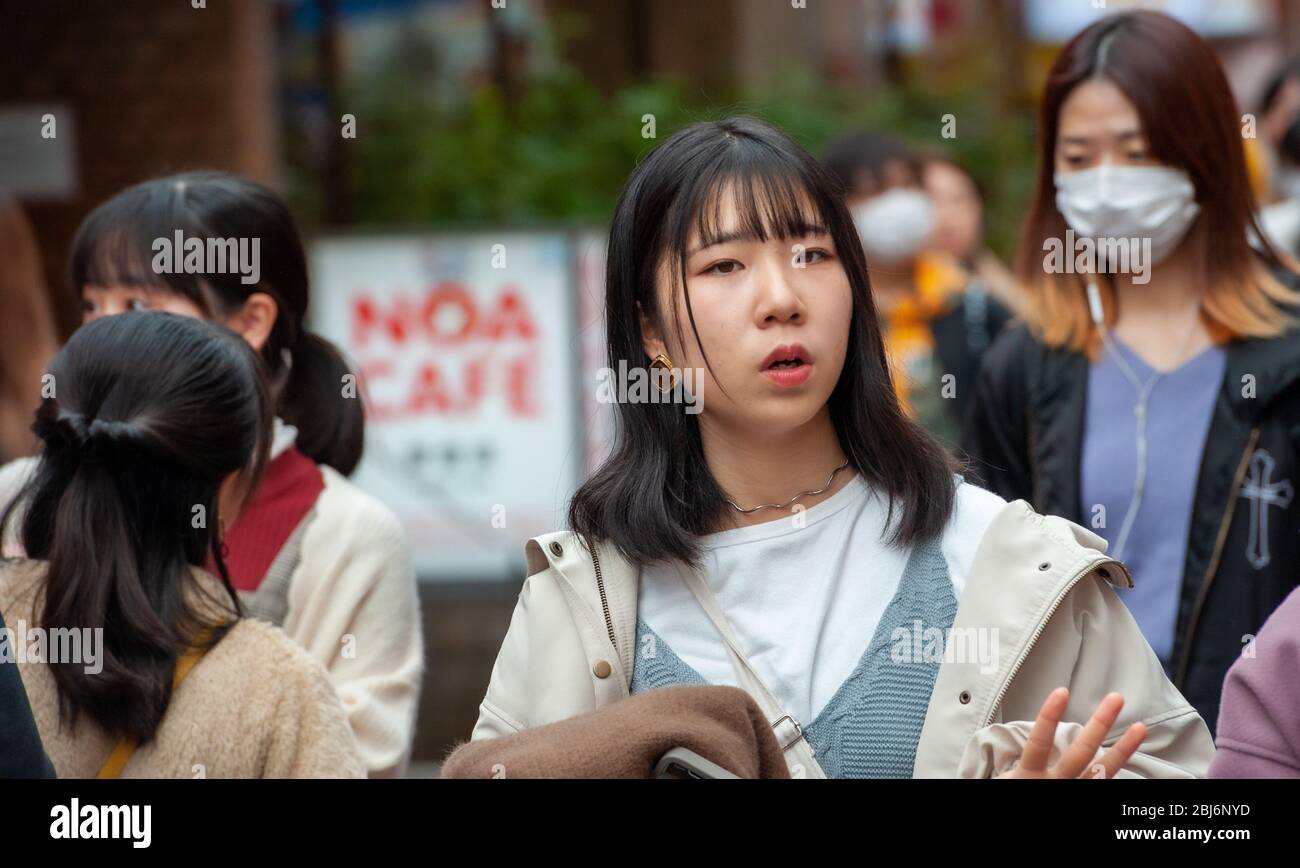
pixel 803 601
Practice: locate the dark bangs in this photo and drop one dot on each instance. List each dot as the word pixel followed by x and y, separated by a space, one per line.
pixel 115 244
pixel 772 198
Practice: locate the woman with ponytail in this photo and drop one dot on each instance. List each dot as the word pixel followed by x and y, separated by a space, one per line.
pixel 142 462
pixel 310 552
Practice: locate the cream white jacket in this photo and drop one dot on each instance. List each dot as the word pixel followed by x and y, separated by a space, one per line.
pixel 1039 584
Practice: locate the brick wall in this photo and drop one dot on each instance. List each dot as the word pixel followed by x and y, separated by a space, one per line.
pixel 153 86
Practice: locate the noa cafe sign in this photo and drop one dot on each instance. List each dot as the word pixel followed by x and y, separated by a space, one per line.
pixel 467 351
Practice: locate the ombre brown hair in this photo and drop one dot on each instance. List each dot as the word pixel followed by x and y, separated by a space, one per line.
pixel 1191 121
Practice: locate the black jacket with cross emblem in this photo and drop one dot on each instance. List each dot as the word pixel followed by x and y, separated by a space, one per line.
pixel 1023 438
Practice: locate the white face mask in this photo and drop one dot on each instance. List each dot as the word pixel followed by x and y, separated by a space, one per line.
pixel 894 225
pixel 1155 202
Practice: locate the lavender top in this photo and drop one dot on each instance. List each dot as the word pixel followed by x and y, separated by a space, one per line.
pixel 1178 419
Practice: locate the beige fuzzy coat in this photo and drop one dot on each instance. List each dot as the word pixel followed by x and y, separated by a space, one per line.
pixel 255 706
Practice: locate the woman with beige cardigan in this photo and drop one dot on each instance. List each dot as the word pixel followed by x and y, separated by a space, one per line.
pixel 136 661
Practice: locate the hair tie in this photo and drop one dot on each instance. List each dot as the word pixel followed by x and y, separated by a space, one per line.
pixel 79 437
pixel 88 442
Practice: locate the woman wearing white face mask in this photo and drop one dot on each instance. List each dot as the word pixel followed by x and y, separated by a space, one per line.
pixel 935 330
pixel 1152 395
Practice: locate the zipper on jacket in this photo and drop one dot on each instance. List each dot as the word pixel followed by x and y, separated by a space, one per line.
pixel 1042 625
pixel 604 601
pixel 1180 673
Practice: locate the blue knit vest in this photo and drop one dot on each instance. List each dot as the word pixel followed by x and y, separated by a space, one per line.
pixel 871 726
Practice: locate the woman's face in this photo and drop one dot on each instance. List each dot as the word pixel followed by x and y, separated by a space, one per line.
pixel 1098 124
pixel 254 320
pixel 958 212
pixel 773 317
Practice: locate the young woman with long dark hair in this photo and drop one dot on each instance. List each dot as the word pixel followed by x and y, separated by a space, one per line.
pixel 1152 394
pixel 800 537
pixel 141 460
pixel 310 552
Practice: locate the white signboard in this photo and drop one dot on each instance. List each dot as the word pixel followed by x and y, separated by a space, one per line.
pixel 470 369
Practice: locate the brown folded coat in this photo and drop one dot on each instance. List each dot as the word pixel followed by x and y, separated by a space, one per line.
pixel 626 739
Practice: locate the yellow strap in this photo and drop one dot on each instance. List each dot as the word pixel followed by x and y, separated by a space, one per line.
pixel 118 759
pixel 125 749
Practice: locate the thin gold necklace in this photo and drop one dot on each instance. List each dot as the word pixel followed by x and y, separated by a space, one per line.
pixel 791 501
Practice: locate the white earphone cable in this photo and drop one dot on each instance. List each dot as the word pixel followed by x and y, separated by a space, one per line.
pixel 1139 411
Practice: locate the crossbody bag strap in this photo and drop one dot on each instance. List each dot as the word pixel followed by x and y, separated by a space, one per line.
pixel 125 748
pixel 789 733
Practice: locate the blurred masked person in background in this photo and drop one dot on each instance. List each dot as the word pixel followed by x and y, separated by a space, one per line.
pixel 935 332
pixel 959 229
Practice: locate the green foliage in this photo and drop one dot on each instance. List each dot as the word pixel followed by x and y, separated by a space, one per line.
pixel 996 145
pixel 561 154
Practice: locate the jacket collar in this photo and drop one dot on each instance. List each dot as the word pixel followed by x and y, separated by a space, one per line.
pixel 569 557
pixel 1259 370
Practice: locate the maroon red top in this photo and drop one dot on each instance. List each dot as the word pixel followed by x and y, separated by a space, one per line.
pixel 288 491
